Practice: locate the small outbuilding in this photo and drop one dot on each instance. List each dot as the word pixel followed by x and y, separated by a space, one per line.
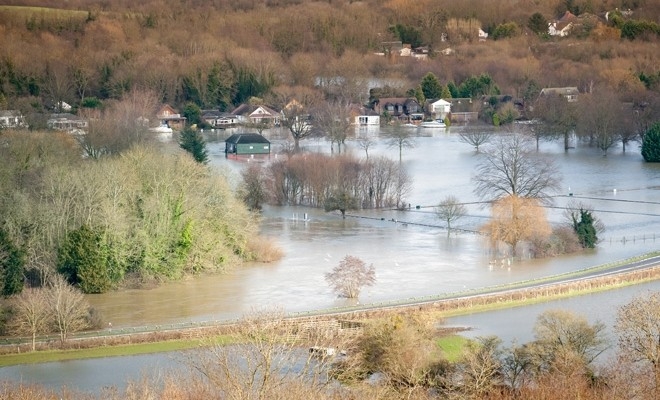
pixel 247 144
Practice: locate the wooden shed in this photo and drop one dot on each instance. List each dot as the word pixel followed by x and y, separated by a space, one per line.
pixel 247 143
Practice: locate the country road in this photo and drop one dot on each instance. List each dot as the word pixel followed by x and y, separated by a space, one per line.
pixel 641 268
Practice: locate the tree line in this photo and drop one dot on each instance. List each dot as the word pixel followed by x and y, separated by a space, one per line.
pixel 406 355
pixel 100 52
pixel 142 217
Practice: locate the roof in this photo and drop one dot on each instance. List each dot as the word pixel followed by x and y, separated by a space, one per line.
pixel 564 91
pixel 249 109
pixel 245 138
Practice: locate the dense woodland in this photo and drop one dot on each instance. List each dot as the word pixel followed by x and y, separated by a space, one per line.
pixel 219 54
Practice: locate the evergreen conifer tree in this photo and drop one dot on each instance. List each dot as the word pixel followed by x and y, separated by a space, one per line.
pixel 192 141
pixel 651 144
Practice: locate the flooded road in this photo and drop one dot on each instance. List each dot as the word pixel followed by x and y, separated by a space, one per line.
pixel 410 260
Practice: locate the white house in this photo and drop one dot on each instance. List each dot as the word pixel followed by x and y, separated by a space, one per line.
pixel 569 93
pixel 562 27
pixel 482 35
pixel 11 119
pixel 361 115
pixel 439 108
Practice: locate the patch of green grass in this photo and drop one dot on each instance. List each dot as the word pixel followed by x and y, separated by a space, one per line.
pixel 109 351
pixel 452 346
pixel 45 11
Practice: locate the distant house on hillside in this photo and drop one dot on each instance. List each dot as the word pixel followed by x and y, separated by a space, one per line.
pixel 170 118
pixel 482 35
pixel 67 122
pixel 12 119
pixel 569 93
pixel 219 119
pixel 246 144
pixel 253 114
pixel 562 27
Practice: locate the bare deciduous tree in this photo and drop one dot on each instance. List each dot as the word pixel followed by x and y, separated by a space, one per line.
pixel 559 117
pixel 68 308
pixel 30 315
pixel 400 138
pixel 476 138
pixel 270 357
pixel 510 167
pixel 296 120
pixel 480 366
pixel 350 276
pixel 449 210
pixel 600 119
pixel 638 328
pixel 558 331
pixel 365 143
pixel 333 121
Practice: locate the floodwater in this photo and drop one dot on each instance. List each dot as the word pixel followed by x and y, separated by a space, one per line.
pixel 410 260
pixel 511 324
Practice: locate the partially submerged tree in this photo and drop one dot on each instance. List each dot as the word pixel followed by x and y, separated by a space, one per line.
pixel 651 144
pixel 333 121
pixel 516 219
pixel 585 225
pixel 342 201
pixel 475 137
pixel 512 168
pixel 399 138
pixel 253 188
pixel 365 143
pixel 297 120
pixel 450 210
pixel 559 117
pixel 600 120
pixel 349 277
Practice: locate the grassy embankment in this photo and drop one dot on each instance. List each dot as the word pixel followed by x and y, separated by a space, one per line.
pixel 450 344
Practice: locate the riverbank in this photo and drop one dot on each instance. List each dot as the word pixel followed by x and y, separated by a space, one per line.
pixel 181 338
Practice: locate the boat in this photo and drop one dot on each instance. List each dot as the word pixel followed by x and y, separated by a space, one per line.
pixel 163 129
pixel 438 123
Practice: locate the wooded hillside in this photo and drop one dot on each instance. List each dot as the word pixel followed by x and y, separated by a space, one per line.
pixel 221 53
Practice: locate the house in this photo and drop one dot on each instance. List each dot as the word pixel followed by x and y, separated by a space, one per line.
pixel 403 109
pixel 482 35
pixel 67 122
pixel 563 26
pixel 170 118
pixel 246 144
pixel 569 93
pixel 463 110
pixel 218 119
pixel 253 114
pixel 12 119
pixel 361 115
pixel 438 108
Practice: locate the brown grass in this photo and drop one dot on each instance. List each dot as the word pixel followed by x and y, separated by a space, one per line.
pixel 265 249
